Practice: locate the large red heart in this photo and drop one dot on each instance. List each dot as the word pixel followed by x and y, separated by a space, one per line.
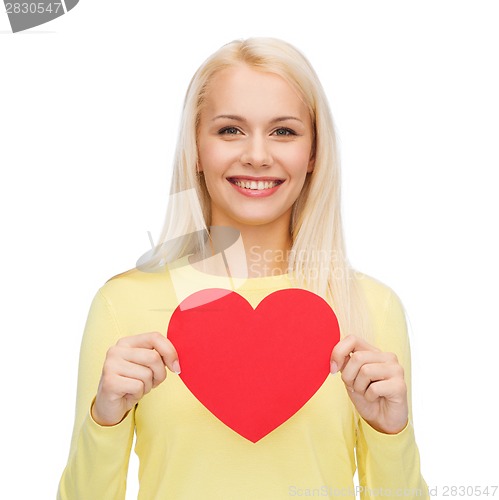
pixel 254 368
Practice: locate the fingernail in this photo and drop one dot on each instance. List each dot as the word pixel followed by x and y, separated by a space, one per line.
pixel 176 366
pixel 334 367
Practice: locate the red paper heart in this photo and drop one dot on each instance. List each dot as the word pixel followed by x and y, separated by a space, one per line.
pixel 254 368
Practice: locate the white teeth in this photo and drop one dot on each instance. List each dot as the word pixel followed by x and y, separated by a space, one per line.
pixel 259 185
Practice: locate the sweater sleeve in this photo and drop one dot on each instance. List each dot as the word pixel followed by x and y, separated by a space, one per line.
pixel 98 459
pixel 389 464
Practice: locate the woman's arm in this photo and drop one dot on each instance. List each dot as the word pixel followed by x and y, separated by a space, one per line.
pixel 379 383
pixel 98 458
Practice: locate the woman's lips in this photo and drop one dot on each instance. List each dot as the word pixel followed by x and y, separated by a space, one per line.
pixel 256 187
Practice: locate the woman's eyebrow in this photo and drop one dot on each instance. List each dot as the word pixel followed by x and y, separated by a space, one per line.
pixel 241 119
pixel 285 118
pixel 230 117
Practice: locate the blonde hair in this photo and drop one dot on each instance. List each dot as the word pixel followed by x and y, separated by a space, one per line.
pixel 317 259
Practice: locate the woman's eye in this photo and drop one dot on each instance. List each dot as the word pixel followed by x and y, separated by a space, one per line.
pixel 284 132
pixel 228 131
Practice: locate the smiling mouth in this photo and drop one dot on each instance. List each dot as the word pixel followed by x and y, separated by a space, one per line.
pixel 259 185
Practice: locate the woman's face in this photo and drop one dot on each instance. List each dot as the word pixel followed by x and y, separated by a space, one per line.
pixel 254 143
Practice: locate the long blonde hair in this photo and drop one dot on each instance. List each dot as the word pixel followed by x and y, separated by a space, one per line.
pixel 317 260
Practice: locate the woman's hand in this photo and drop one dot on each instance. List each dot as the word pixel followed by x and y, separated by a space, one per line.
pixel 132 367
pixel 375 383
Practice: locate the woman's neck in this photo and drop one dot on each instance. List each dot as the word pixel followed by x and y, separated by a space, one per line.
pixel 266 254
pixel 247 252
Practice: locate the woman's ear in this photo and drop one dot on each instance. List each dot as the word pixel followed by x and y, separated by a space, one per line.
pixel 311 160
pixel 311 163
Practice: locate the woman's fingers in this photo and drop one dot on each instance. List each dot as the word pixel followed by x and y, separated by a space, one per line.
pixel 370 374
pixel 392 389
pixel 375 381
pixel 344 348
pixel 143 373
pixel 130 388
pixel 364 367
pixel 140 357
pixel 134 366
pixel 157 341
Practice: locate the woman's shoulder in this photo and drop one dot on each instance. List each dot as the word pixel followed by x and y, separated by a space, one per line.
pixel 379 296
pixel 143 272
pixel 135 282
pixel 388 316
pixel 136 275
pixel 144 279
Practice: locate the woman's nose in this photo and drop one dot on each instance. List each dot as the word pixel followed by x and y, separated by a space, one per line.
pixel 256 152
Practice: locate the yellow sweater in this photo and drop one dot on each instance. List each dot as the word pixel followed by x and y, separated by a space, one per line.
pixel 186 453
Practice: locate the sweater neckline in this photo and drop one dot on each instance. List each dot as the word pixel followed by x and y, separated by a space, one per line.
pixel 272 281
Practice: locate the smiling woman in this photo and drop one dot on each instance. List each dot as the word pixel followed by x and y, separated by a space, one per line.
pixel 255 150
pixel 256 158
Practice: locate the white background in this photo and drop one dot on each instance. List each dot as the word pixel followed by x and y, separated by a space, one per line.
pixel 89 108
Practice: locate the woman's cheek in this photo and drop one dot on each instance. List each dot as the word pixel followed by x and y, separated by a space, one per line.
pixel 216 157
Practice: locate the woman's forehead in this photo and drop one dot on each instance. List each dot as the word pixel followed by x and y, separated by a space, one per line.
pixel 243 90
